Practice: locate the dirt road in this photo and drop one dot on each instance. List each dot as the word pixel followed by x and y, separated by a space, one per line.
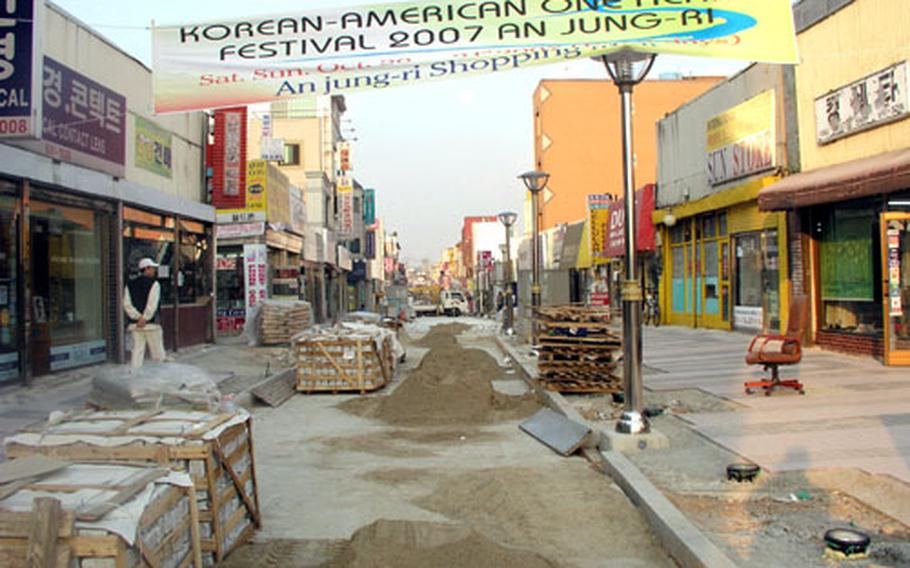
pixel 434 472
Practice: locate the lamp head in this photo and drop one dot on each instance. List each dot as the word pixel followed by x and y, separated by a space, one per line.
pixel 508 218
pixel 535 181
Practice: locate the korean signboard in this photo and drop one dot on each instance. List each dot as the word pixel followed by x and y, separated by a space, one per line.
pixel 742 141
pixel 344 156
pixel 615 246
pixel 336 50
pixel 233 153
pixel 255 196
pixel 255 275
pixel 346 205
pixel 272 149
pixel 21 27
pixel 84 121
pixel 154 150
pixel 298 210
pixel 599 221
pixel 875 100
pixel 369 207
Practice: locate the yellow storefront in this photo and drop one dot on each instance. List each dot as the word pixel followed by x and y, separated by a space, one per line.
pixel 725 263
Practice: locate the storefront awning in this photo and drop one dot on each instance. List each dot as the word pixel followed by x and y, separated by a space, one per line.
pixel 885 173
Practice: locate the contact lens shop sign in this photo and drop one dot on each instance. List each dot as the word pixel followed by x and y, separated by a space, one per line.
pixel 333 51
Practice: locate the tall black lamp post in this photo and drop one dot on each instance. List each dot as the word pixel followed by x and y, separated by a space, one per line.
pixel 508 219
pixel 628 68
pixel 535 181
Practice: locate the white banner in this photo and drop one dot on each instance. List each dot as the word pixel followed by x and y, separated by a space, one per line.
pixel 255 275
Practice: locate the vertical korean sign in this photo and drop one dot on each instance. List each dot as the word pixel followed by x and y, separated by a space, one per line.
pixel 346 204
pixel 599 221
pixel 255 275
pixel 21 27
pixel 369 207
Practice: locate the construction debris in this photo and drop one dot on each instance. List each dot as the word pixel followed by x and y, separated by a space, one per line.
pixel 216 450
pixel 577 350
pixel 277 389
pixel 155 385
pixel 99 515
pixel 563 436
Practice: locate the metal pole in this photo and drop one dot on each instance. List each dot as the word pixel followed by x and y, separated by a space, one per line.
pixel 510 314
pixel 535 265
pixel 632 420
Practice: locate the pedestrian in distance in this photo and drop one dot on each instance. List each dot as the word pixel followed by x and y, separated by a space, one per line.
pixel 144 292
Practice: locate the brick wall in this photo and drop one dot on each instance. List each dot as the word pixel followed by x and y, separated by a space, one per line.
pixel 851 343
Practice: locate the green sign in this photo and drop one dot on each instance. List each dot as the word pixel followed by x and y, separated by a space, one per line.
pixel 153 148
pixel 847 268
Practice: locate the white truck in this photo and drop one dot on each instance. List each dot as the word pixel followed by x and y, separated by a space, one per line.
pixel 453 303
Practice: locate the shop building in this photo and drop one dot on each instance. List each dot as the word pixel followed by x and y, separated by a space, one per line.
pixel 852 199
pixel 96 185
pixel 725 264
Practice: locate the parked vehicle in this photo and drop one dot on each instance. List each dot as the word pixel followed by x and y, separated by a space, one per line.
pixel 453 304
pixel 422 307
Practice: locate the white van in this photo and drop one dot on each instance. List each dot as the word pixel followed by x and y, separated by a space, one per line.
pixel 453 304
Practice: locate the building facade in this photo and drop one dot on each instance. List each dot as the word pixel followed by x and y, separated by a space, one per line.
pixel 725 264
pixel 100 185
pixel 852 199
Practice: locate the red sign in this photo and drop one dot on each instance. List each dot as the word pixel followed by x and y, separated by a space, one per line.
pixel 615 244
pixel 600 299
pixel 229 159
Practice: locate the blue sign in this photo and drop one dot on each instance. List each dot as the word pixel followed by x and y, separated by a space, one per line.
pixel 20 72
pixel 370 249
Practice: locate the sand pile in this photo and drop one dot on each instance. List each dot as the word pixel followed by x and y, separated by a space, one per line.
pixel 420 545
pixel 526 508
pixel 450 387
pixel 442 335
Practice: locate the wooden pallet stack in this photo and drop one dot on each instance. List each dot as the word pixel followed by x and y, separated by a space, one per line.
pixel 343 360
pixel 280 321
pixel 85 515
pixel 579 353
pixel 215 449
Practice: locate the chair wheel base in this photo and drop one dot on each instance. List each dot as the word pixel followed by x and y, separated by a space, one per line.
pixel 770 386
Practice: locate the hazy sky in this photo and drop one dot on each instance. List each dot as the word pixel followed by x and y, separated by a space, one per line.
pixel 435 153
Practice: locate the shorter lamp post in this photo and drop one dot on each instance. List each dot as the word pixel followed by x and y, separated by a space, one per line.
pixel 508 219
pixel 535 181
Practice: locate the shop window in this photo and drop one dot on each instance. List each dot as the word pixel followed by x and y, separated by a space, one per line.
pixel 9 291
pixel 757 286
pixel 709 225
pixel 193 282
pixel 848 269
pixel 291 155
pixel 146 242
pixel 678 234
pixel 722 223
pixel 230 303
pixel 66 287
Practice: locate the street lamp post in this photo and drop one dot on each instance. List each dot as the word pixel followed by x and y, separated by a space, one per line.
pixel 535 181
pixel 508 219
pixel 621 67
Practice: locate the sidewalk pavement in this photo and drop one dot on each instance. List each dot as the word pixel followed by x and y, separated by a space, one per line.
pixel 855 414
pixel 237 367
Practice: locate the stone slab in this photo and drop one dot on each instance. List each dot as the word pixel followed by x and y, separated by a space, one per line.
pixel 555 431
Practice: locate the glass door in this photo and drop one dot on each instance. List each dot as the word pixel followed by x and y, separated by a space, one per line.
pixel 896 296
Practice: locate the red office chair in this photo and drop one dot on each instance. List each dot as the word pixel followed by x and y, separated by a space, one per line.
pixel 773 351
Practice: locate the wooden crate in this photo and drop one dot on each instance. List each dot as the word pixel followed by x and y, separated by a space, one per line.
pixel 216 449
pixel 65 527
pixel 354 363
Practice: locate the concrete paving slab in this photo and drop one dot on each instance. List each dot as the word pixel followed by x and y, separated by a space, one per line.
pixel 555 431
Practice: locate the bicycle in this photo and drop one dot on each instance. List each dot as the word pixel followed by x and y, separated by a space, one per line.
pixel 651 310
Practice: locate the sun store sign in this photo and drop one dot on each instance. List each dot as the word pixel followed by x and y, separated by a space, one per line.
pixel 742 141
pixel 336 50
